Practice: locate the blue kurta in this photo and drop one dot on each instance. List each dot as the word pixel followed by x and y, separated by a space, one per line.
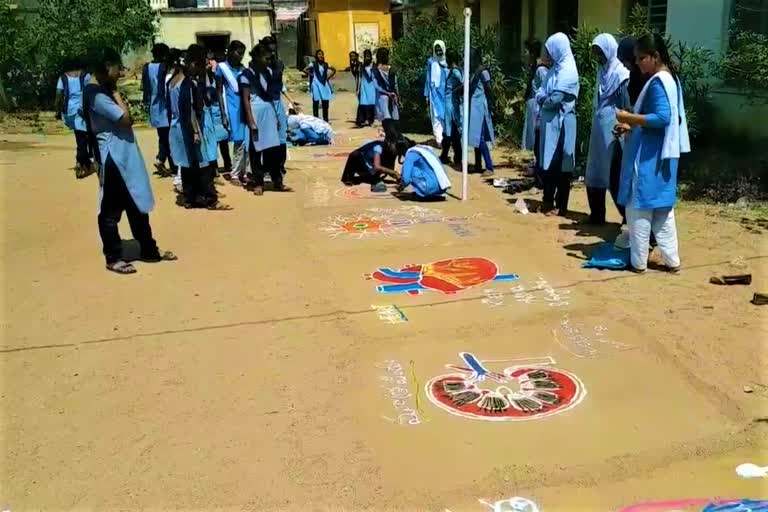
pixel 647 181
pixel 237 128
pixel 158 110
pixel 453 101
pixel 602 141
pixel 73 110
pixel 220 133
pixel 437 94
pixel 119 144
pixel 480 113
pixel 532 108
pixel 179 150
pixel 276 89
pixel 427 73
pixel 386 108
pixel 367 95
pixel 263 109
pixel 208 148
pixel 558 112
pixel 320 91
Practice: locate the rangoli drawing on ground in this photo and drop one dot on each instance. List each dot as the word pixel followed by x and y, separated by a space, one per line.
pixel 541 292
pixel 695 505
pixel 390 314
pixel 446 276
pixel 396 385
pixel 520 392
pixel 392 222
pixel 579 341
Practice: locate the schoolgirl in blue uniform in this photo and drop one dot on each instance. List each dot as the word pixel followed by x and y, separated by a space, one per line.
pixel 387 95
pixel 276 91
pixel 480 106
pixel 366 92
pixel 124 183
pixel 320 74
pixel 229 98
pixel 69 102
pixel 454 85
pixel 220 132
pixel 262 122
pixel 189 147
pixel 153 80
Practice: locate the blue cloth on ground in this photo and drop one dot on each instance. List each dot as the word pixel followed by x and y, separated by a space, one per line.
pixel 608 257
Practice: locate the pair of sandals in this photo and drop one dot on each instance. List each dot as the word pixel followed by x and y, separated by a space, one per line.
pixel 124 268
pixel 259 191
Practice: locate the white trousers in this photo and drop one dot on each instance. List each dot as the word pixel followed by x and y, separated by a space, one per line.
pixel 437 127
pixel 240 160
pixel 662 222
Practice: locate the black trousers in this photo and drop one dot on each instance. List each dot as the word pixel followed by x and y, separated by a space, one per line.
pixel 224 150
pixel 316 109
pixel 263 162
pixel 116 199
pixel 454 141
pixel 557 184
pixel 596 196
pixel 365 115
pixel 391 129
pixel 83 152
pixel 197 182
pixel 356 170
pixel 164 147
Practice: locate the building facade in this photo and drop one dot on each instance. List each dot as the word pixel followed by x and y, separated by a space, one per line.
pixel 340 26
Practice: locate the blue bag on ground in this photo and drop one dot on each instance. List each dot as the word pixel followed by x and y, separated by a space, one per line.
pixel 423 171
pixel 608 257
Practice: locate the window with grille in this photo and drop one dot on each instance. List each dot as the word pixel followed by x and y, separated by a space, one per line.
pixel 657 13
pixel 751 15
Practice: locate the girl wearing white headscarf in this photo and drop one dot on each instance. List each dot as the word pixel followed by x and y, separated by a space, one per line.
pixel 604 160
pixel 557 99
pixel 438 73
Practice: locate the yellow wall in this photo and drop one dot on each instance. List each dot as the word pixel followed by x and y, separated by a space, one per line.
pixel 179 30
pixel 335 21
pixel 606 15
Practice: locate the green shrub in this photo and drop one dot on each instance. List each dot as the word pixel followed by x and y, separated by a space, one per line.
pixel 410 54
pixel 746 63
pixel 33 47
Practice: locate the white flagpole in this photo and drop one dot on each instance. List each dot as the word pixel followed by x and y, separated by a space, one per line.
pixel 465 119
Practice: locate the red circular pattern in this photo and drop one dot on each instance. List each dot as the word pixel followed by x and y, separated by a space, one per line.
pixel 529 393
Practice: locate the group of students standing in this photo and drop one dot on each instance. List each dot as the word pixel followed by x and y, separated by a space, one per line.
pixel 199 107
pixel 639 131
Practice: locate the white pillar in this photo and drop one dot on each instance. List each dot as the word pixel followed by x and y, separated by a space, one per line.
pixel 465 120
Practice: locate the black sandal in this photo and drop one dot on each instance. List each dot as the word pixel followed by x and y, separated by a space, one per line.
pixel 121 267
pixel 164 256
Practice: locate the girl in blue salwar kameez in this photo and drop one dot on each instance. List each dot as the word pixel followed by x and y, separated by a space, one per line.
pixel 657 136
pixel 123 180
pixel 366 93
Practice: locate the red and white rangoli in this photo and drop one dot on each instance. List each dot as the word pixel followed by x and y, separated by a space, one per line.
pixel 518 393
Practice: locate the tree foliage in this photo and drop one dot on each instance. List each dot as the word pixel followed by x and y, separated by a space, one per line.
pixel 746 63
pixel 34 46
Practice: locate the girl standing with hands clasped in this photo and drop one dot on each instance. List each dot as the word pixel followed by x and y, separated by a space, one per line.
pixel 454 85
pixel 557 99
pixel 538 74
pixel 320 74
pixel 604 160
pixel 262 122
pixel 123 179
pixel 366 92
pixel 480 107
pixel 658 135
pixel 387 95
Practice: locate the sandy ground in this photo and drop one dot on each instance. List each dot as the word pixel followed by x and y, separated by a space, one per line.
pixel 254 373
